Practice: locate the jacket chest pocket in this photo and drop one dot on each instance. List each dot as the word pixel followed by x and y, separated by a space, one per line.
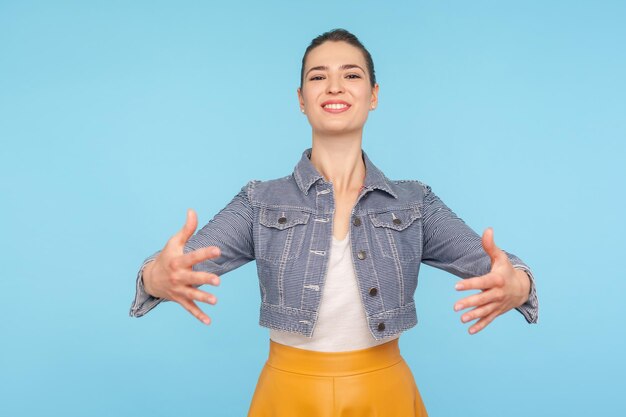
pixel 281 234
pixel 398 233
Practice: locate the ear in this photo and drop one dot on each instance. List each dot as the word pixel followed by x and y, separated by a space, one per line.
pixel 374 99
pixel 300 98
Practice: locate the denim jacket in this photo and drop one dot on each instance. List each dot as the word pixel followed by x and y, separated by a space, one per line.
pixel 286 225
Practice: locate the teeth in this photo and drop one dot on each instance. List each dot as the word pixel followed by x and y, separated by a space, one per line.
pixel 335 106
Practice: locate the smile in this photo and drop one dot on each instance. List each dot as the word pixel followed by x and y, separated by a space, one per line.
pixel 335 106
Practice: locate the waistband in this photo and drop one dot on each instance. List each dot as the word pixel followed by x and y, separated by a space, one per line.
pixel 352 362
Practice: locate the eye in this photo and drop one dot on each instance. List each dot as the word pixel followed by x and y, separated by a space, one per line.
pixel 353 76
pixel 316 78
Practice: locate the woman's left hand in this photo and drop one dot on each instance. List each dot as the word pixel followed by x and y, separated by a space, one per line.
pixel 502 289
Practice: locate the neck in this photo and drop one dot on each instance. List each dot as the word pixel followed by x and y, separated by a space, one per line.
pixel 339 159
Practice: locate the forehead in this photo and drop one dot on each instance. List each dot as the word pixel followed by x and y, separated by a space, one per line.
pixel 332 54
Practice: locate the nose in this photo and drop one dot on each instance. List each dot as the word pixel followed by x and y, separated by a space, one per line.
pixel 335 85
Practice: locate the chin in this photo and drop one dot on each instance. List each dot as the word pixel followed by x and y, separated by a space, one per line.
pixel 340 132
pixel 339 128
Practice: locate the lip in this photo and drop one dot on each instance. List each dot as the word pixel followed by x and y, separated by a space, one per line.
pixel 348 105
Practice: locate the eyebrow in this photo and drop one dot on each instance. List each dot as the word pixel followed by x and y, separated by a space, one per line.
pixel 325 68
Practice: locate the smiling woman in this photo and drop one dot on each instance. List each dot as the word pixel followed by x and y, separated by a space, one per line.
pixel 338 248
pixel 335 82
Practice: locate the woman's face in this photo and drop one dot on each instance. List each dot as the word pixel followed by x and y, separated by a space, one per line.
pixel 336 92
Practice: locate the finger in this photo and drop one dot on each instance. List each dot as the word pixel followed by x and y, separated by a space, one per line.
pixel 201 278
pixel 198 295
pixel 482 282
pixel 482 323
pixel 473 301
pixel 489 245
pixel 192 308
pixel 199 255
pixel 479 312
pixel 190 226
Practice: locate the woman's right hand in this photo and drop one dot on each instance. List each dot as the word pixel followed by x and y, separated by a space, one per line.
pixel 171 276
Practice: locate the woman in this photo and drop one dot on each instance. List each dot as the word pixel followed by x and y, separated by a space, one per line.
pixel 336 227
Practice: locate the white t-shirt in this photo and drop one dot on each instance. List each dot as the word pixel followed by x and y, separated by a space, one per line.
pixel 341 324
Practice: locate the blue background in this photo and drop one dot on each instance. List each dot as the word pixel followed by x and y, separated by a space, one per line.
pixel 115 117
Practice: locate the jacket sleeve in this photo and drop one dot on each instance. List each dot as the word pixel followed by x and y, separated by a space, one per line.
pixel 230 230
pixel 449 244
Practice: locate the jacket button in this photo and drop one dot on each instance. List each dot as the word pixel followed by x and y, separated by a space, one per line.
pixel 373 291
pixel 361 255
pixel 397 221
pixel 381 327
pixel 282 220
pixel 357 221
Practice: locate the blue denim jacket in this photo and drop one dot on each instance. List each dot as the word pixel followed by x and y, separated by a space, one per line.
pixel 286 225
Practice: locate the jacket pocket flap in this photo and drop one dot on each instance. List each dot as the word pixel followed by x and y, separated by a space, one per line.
pixel 396 219
pixel 282 219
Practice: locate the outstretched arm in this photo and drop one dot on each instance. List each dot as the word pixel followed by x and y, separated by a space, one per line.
pixel 188 261
pixel 171 275
pixel 451 245
pixel 503 288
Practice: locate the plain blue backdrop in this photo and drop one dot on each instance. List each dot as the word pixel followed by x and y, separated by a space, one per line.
pixel 115 117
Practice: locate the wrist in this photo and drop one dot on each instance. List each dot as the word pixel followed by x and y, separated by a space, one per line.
pixel 146 275
pixel 524 282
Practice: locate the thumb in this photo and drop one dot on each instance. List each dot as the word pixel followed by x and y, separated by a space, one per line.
pixel 490 246
pixel 190 226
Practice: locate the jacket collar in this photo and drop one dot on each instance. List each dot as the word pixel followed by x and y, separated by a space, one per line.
pixel 306 175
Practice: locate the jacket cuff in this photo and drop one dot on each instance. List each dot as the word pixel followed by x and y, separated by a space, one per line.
pixel 530 309
pixel 143 301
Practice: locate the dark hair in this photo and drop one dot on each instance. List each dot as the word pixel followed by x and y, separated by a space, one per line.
pixel 340 35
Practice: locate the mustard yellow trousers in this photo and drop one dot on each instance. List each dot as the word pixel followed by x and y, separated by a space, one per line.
pixel 365 383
